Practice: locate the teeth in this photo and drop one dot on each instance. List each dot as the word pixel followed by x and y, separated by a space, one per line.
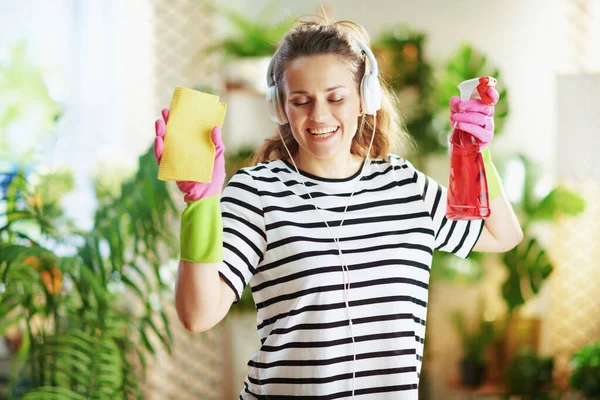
pixel 323 130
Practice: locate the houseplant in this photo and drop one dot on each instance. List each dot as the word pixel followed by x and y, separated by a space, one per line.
pixel 528 264
pixel 248 50
pixel 82 299
pixel 400 52
pixel 475 342
pixel 585 375
pixel 530 376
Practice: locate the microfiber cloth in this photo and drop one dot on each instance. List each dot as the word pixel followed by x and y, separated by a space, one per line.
pixel 189 152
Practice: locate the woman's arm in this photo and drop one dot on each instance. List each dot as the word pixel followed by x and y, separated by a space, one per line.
pixel 202 298
pixel 501 231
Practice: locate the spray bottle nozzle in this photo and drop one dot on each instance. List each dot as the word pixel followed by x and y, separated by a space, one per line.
pixel 477 86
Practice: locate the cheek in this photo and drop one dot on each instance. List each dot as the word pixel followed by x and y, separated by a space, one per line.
pixel 295 115
pixel 351 111
pixel 351 117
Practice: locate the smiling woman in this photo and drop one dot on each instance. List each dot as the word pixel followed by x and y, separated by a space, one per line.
pixel 333 232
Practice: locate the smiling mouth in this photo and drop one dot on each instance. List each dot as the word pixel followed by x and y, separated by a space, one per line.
pixel 324 132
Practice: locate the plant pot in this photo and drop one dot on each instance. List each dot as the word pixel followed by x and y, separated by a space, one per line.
pixel 471 373
pixel 248 72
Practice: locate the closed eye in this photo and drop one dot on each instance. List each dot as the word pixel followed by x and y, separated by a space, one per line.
pixel 298 104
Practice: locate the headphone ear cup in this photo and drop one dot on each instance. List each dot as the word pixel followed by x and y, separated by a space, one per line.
pixel 271 90
pixel 276 112
pixel 370 92
pixel 281 116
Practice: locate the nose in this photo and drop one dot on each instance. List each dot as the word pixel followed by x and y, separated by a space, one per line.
pixel 319 111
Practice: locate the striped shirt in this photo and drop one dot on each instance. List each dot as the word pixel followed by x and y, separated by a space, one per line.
pixel 275 240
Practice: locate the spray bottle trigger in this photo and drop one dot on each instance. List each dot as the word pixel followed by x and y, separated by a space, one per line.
pixel 485 83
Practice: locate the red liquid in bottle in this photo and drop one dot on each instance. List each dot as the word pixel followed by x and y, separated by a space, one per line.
pixel 467 188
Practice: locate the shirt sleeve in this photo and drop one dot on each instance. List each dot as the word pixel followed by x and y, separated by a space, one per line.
pixel 458 237
pixel 244 237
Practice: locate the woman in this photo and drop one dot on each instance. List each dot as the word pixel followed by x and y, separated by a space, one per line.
pixel 333 233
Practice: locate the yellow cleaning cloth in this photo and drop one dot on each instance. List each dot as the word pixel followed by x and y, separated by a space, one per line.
pixel 189 152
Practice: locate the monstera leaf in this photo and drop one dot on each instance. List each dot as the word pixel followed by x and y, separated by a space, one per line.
pixel 528 266
pixel 559 201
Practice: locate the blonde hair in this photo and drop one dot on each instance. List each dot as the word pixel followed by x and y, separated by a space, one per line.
pixel 324 37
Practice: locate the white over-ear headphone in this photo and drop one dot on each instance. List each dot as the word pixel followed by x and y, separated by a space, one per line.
pixel 370 90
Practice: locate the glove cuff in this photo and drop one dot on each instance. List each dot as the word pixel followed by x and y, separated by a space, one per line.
pixel 201 238
pixel 493 178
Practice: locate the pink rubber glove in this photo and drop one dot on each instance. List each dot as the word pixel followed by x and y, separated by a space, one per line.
pixel 475 117
pixel 195 190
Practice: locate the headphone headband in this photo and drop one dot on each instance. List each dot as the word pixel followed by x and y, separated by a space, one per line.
pixel 370 56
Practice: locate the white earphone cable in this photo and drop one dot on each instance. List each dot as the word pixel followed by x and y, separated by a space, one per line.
pixel 345 269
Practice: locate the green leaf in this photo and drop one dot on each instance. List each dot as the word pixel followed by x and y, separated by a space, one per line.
pixel 167 326
pixel 145 340
pixel 133 286
pixel 52 393
pixel 5 324
pixel 147 320
pixel 559 202
pixel 528 267
pixel 253 37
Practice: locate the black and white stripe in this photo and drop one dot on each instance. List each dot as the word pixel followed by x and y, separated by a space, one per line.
pixel 277 242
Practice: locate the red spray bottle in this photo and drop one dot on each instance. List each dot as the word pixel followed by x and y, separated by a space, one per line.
pixel 467 187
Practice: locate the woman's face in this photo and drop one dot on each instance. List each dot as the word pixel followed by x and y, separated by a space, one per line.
pixel 322 104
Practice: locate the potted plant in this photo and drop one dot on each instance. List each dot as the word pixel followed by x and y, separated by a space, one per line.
pixel 585 376
pixel 248 50
pixel 530 375
pixel 474 343
pixel 82 300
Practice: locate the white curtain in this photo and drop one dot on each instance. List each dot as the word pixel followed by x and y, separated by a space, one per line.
pixel 96 58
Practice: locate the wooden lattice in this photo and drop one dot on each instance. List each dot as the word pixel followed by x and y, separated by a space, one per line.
pixel 574 312
pixel 181 30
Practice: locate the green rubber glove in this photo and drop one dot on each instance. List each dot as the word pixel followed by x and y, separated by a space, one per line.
pixel 493 178
pixel 202 231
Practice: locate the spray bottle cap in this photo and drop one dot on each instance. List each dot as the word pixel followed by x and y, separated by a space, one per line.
pixel 468 88
pixel 477 88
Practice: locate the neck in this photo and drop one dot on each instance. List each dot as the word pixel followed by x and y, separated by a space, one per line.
pixel 338 168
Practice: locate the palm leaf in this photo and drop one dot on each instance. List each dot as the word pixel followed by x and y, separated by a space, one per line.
pixel 164 340
pixel 52 393
pixel 90 354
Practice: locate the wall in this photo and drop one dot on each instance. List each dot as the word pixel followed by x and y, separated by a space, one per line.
pixel 527 40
